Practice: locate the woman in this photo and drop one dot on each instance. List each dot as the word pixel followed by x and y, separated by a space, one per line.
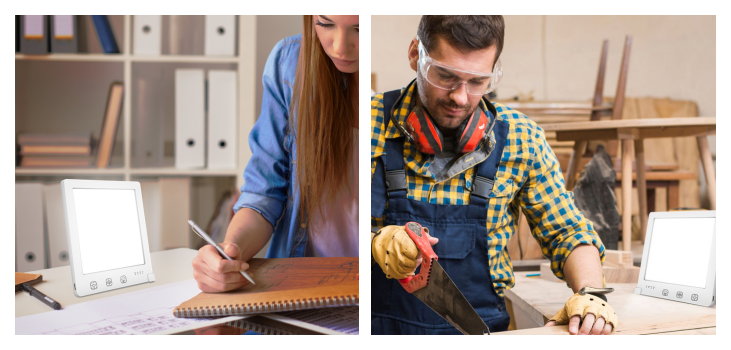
pixel 301 183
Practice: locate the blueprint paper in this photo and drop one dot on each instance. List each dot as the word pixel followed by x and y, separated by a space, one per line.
pixel 142 312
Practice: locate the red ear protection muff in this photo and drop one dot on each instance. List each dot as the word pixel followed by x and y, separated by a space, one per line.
pixel 429 140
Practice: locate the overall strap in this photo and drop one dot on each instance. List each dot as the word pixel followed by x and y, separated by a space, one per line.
pixel 388 180
pixel 485 175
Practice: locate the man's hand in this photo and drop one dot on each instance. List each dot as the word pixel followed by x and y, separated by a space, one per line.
pixel 216 274
pixel 598 317
pixel 396 253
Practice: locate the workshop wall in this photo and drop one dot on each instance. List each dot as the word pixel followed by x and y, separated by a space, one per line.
pixel 556 57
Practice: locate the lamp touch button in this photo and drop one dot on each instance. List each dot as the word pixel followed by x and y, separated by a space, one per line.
pixel 679 295
pixel 93 284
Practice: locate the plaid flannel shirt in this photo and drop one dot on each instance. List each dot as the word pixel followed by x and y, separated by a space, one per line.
pixel 528 179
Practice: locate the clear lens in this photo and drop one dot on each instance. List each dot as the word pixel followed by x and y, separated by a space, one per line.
pixel 448 79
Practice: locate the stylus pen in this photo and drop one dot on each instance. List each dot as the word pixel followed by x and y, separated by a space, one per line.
pixel 40 296
pixel 208 239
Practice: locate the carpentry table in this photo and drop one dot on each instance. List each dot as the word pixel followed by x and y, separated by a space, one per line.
pixel 534 300
pixel 630 131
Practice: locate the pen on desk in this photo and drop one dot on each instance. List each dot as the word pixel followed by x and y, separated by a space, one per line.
pixel 40 296
pixel 533 275
pixel 204 235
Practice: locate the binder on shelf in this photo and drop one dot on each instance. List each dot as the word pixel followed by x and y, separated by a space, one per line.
pixel 220 37
pixel 30 253
pixel 64 33
pixel 105 33
pixel 109 126
pixel 33 34
pixel 222 107
pixel 189 119
pixel 147 38
pixel 58 253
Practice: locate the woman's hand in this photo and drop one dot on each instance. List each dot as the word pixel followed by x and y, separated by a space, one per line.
pixel 215 274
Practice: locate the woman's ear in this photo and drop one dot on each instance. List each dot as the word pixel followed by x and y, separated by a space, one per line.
pixel 413 53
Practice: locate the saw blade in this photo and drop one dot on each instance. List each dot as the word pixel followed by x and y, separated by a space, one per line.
pixel 443 296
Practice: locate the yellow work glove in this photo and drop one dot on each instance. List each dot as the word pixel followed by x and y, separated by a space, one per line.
pixel 395 252
pixel 583 305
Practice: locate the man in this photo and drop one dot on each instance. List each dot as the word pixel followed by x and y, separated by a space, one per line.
pixel 462 167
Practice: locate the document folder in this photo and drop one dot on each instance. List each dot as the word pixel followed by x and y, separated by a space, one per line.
pixel 64 36
pixel 30 252
pixel 189 119
pixel 58 249
pixel 222 111
pixel 220 36
pixel 147 35
pixel 33 35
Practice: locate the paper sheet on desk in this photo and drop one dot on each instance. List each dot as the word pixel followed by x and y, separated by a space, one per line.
pixel 145 311
pixel 341 319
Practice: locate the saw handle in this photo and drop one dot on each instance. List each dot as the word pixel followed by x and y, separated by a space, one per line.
pixel 419 235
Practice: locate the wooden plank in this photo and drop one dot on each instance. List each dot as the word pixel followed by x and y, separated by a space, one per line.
pixel 626 194
pixel 542 118
pixel 586 135
pixel 632 123
pixel 698 331
pixel 662 176
pixel 641 184
pixel 679 131
pixel 612 274
pixel 637 314
pixel 618 258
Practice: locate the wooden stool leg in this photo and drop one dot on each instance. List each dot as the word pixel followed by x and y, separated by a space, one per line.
pixel 673 195
pixel 579 148
pixel 641 185
pixel 626 195
pixel 707 160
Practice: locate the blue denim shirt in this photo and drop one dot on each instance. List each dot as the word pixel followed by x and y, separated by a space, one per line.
pixel 269 186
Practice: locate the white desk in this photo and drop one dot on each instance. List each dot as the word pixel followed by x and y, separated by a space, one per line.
pixel 169 266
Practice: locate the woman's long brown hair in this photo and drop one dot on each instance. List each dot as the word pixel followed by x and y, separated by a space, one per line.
pixel 324 108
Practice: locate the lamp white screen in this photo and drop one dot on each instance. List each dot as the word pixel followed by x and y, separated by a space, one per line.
pixel 680 251
pixel 108 229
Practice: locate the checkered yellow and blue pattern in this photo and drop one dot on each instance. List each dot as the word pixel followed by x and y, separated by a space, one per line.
pixel 528 179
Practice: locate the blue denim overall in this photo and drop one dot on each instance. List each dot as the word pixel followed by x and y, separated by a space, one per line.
pixel 462 247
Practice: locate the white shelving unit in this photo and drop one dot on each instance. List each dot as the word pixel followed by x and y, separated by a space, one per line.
pixel 245 66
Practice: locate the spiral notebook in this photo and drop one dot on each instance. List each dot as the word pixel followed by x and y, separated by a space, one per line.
pixel 286 284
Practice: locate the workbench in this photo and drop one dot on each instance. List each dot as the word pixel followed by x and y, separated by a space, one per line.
pixel 633 132
pixel 533 301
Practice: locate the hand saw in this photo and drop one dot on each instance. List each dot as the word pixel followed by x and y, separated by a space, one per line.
pixel 434 287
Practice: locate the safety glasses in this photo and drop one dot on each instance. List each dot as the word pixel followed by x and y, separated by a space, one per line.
pixel 447 77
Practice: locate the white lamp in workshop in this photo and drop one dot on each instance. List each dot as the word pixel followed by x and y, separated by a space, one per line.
pixel 679 258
